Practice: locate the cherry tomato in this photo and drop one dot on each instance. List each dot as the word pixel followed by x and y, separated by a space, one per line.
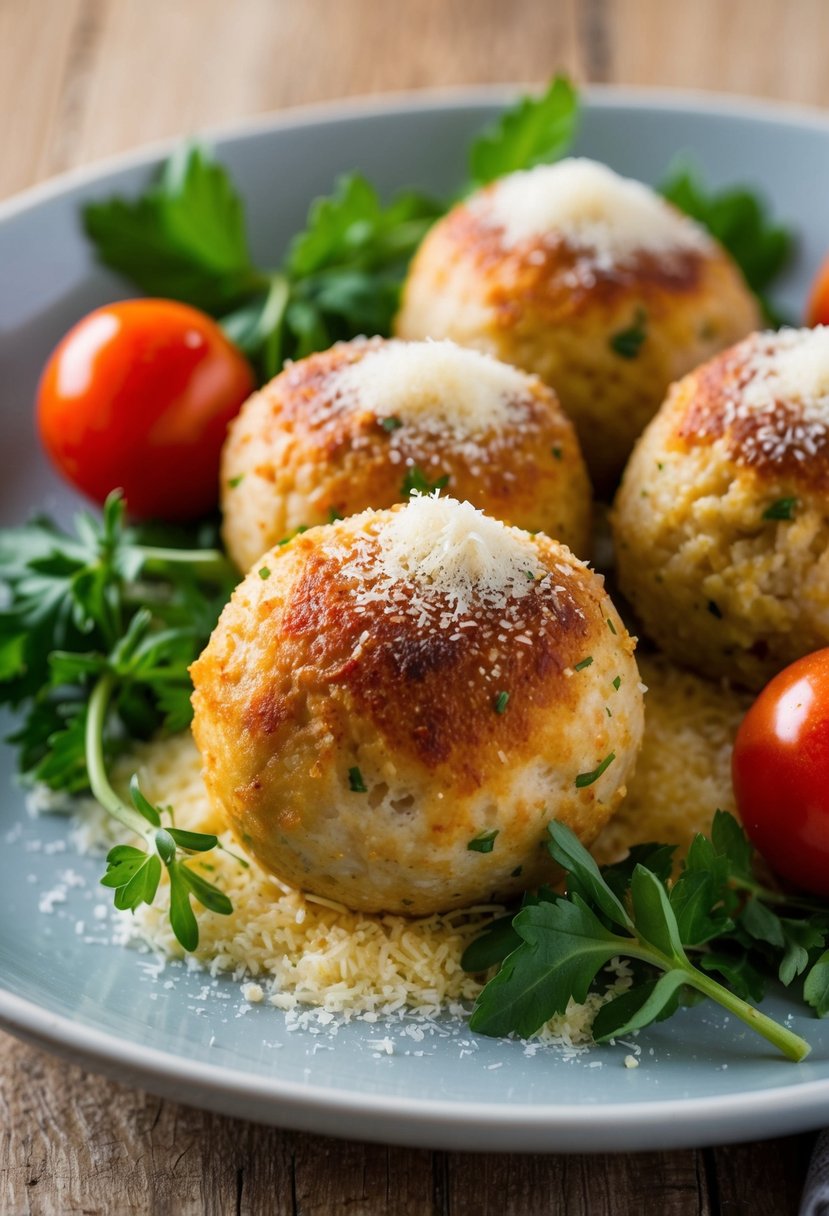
pixel 817 310
pixel 138 397
pixel 780 769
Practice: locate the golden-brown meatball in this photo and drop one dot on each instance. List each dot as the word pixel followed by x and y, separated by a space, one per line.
pixel 357 426
pixel 393 708
pixel 722 520
pixel 588 279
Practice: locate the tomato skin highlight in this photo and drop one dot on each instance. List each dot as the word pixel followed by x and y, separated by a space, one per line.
pixel 817 310
pixel 780 770
pixel 138 396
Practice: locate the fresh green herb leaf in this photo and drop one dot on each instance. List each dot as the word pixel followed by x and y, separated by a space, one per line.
pixel 234 482
pixel 628 342
pixel 416 480
pixel 584 663
pixel 783 508
pixel 355 781
pixel 554 952
pixel 184 238
pixel 617 682
pixel 484 842
pixel 585 779
pixel 264 572
pixel 500 702
pixel 538 130
pixel 739 220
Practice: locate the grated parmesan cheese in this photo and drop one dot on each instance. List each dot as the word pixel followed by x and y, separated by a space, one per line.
pixel 450 550
pixel 783 387
pixel 591 207
pixel 462 391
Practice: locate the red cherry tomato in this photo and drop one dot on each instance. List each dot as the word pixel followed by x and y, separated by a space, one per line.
pixel 138 397
pixel 817 310
pixel 781 773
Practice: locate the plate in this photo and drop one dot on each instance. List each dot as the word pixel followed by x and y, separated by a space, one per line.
pixel 183 1034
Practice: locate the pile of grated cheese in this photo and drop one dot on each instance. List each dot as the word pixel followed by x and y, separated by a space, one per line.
pixel 449 550
pixel 462 391
pixel 590 207
pixel 299 951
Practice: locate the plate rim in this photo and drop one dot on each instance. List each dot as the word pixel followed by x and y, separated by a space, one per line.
pixel 403 101
pixel 672 1122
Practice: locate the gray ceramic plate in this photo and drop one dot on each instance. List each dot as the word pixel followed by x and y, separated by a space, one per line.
pixel 67 988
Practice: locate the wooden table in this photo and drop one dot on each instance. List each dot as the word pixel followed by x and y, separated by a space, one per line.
pixel 80 79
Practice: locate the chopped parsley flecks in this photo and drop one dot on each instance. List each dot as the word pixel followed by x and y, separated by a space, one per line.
pixel 607 711
pixel 484 842
pixel 585 779
pixel 390 424
pixel 530 576
pixel 714 609
pixel 611 627
pixel 617 683
pixel 784 508
pixel 416 479
pixel 584 663
pixel 355 781
pixel 499 703
pixel 333 516
pixel 264 572
pixel 627 342
pixel 296 532
pixel 233 482
pixel 557 453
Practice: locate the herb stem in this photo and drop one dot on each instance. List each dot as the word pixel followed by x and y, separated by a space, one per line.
pixel 207 562
pixel 791 1044
pixel 94 750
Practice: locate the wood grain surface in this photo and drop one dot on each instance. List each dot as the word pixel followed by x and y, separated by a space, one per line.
pixel 80 79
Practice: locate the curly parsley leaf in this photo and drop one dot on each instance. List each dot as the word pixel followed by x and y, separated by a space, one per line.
pixel 535 131
pixel 738 218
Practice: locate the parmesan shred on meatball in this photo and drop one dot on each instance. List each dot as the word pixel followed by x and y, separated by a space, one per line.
pixel 591 281
pixel 364 423
pixel 722 521
pixel 393 707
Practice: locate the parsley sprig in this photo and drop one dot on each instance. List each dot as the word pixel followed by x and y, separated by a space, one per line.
pixel 716 918
pixel 96 637
pixel 185 238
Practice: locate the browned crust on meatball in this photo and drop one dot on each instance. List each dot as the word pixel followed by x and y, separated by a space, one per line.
pixel 427 692
pixel 705 407
pixel 546 274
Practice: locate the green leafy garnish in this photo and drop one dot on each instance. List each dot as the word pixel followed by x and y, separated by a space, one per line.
pixel 738 219
pixel 627 342
pixel 97 634
pixel 355 781
pixel 556 948
pixel 584 663
pixel 484 842
pixel 783 508
pixel 535 131
pixel 585 779
pixel 185 238
pixel 417 481
pixel 500 702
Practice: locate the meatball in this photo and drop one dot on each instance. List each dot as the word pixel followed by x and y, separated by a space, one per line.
pixel 722 520
pixel 362 424
pixel 393 708
pixel 588 279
